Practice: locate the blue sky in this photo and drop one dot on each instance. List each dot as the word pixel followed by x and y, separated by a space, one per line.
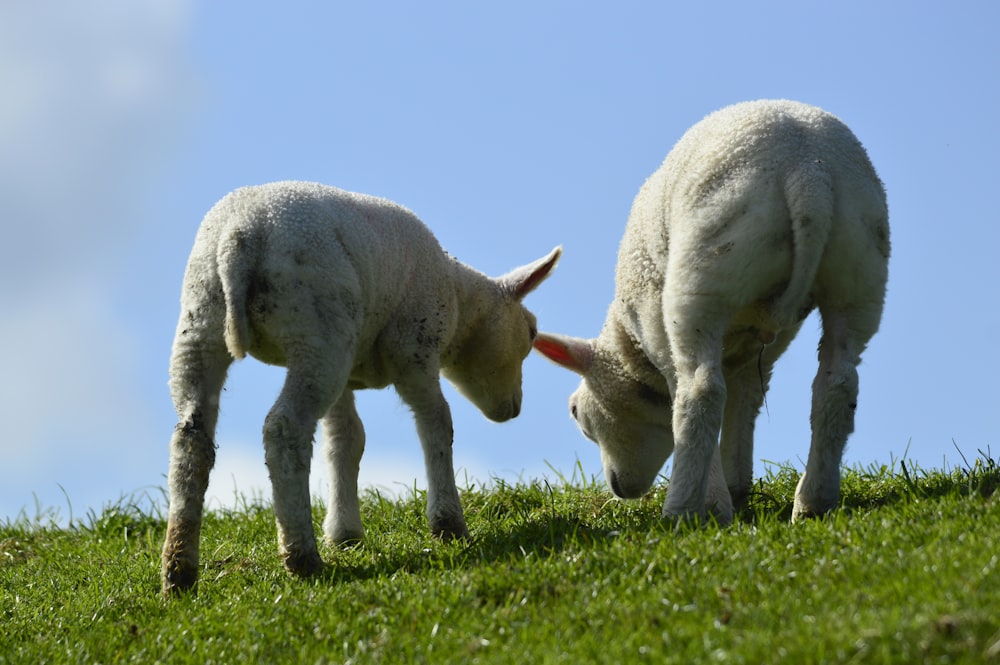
pixel 509 128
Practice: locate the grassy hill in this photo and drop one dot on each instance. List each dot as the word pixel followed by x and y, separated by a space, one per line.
pixel 907 571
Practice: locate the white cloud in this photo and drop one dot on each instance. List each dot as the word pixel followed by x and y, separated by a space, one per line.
pixel 67 375
pixel 241 475
pixel 96 94
pixel 71 412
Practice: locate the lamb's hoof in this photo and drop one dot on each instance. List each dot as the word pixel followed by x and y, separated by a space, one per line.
pixel 720 512
pixel 345 542
pixel 801 514
pixel 685 520
pixel 344 538
pixel 722 517
pixel 451 528
pixel 741 499
pixel 303 564
pixel 176 583
pixel 179 576
pixel 802 510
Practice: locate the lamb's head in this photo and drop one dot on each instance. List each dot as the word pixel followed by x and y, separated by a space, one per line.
pixel 486 365
pixel 629 420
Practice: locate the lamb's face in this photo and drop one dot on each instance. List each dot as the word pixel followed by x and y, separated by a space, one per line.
pixel 487 371
pixel 630 423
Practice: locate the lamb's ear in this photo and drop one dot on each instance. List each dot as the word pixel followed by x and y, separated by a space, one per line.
pixel 522 281
pixel 572 353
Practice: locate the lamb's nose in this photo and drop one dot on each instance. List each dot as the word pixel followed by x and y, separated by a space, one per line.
pixel 505 411
pixel 615 487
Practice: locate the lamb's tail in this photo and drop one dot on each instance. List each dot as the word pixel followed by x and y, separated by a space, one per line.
pixel 809 195
pixel 237 258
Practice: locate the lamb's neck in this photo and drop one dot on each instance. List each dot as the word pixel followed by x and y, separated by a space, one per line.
pixel 624 339
pixel 476 295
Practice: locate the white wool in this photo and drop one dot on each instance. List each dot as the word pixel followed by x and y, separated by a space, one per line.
pixel 761 212
pixel 347 291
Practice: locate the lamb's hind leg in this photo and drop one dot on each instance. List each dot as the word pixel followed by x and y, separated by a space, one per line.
pixel 745 395
pixel 309 390
pixel 835 399
pixel 746 384
pixel 197 375
pixel 345 443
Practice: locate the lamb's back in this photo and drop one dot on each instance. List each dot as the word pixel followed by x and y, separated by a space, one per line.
pixel 722 192
pixel 282 250
pixel 317 226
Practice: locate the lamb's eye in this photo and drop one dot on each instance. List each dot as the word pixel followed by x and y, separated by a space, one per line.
pixel 572 411
pixel 533 333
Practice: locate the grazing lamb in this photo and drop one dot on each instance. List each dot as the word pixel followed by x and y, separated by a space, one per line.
pixel 346 291
pixel 761 212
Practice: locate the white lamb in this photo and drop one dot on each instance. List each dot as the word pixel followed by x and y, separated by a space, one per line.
pixel 761 212
pixel 346 291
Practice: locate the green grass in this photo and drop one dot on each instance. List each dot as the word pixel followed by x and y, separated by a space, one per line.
pixel 907 571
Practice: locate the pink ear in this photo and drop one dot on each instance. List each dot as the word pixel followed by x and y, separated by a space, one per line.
pixel 572 353
pixel 523 280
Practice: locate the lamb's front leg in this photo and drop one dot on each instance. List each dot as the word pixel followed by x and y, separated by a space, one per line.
pixel 344 435
pixel 746 384
pixel 718 500
pixel 697 464
pixel 434 427
pixel 696 344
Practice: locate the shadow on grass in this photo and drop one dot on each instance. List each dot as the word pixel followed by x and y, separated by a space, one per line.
pixel 508 523
pixel 537 521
